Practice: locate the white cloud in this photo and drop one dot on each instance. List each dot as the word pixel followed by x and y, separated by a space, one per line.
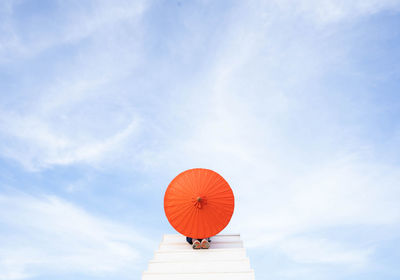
pixel 73 119
pixel 38 142
pixel 323 251
pixel 77 114
pixel 46 235
pixel 333 11
pixel 76 22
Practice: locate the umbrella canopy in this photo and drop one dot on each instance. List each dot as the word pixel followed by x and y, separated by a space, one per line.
pixel 199 203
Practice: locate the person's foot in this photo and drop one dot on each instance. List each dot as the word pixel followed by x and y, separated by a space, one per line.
pixel 196 244
pixel 205 244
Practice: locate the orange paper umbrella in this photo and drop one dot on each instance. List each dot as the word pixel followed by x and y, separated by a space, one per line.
pixel 199 203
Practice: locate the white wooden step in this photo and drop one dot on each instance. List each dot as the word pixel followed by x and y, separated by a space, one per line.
pixel 241 265
pixel 200 276
pixel 217 254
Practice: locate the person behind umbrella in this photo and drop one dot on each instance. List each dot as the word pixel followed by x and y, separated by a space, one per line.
pixel 199 243
pixel 199 203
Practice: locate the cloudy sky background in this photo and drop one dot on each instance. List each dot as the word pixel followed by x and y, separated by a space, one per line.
pixel 295 103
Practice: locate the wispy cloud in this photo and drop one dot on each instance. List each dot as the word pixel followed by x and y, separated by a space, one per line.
pixel 64 23
pixel 330 11
pixel 75 114
pixel 38 143
pixel 48 235
pixel 323 251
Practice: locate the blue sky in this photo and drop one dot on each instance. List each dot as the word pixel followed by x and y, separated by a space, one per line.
pixel 295 103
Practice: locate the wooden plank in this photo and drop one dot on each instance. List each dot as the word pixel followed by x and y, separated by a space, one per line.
pixel 217 254
pixel 240 265
pixel 199 276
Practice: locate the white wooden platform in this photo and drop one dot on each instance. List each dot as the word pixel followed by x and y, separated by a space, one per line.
pixel 176 260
